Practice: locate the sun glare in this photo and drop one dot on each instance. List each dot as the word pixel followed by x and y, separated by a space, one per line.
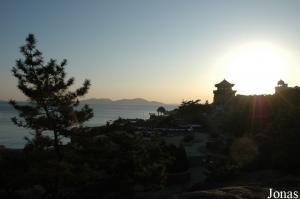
pixel 256 67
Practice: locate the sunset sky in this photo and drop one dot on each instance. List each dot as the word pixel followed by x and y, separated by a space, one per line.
pixel 164 50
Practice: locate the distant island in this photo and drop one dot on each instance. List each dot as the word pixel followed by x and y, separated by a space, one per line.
pixel 135 101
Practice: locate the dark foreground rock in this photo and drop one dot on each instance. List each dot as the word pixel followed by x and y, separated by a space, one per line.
pixel 242 192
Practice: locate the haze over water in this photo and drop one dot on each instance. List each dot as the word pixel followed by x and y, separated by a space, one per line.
pixel 13 136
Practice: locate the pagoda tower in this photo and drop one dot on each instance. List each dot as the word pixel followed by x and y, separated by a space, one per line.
pixel 224 92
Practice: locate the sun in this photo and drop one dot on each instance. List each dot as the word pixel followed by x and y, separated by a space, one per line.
pixel 256 67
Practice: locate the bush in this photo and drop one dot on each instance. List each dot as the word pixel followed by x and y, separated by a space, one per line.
pixel 180 162
pixel 243 151
pixel 188 138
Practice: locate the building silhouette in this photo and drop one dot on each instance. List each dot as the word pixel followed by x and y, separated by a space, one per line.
pixel 224 93
pixel 281 85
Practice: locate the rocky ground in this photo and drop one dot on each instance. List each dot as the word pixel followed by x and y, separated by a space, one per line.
pixel 250 185
pixel 239 192
pixel 247 185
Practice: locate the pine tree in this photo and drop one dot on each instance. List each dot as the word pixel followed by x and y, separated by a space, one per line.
pixel 51 105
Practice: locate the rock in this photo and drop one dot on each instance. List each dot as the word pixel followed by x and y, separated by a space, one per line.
pixel 242 192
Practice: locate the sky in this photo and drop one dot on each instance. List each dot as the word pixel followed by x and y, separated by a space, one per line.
pixel 164 50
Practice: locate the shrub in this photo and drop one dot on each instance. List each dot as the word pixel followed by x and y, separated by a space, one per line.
pixel 243 151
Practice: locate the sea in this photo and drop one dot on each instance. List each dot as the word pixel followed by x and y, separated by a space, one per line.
pixel 12 136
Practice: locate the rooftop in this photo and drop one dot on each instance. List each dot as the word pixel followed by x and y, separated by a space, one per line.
pixel 224 83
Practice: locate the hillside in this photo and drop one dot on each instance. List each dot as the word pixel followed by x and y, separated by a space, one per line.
pixel 135 101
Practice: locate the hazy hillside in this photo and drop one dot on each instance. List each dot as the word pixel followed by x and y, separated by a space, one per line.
pixel 135 101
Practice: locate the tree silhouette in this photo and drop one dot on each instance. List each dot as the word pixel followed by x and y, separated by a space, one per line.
pixel 161 110
pixel 51 106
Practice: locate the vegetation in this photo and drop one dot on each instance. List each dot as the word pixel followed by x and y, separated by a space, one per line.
pixel 97 162
pixel 193 112
pixel 180 162
pixel 51 106
pixel 262 132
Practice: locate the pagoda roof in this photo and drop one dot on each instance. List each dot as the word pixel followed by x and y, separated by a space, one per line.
pixel 224 83
pixel 280 82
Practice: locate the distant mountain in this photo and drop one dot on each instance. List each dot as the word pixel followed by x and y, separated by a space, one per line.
pixel 97 101
pixel 135 101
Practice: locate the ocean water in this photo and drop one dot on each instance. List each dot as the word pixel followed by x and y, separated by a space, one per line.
pixel 13 137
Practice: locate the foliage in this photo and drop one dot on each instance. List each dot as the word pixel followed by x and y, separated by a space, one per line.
pixel 100 162
pixel 106 163
pixel 125 154
pixel 193 111
pixel 188 138
pixel 38 142
pixel 180 162
pixel 51 106
pixel 266 127
pixel 243 151
pixel 13 165
pixel 109 163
